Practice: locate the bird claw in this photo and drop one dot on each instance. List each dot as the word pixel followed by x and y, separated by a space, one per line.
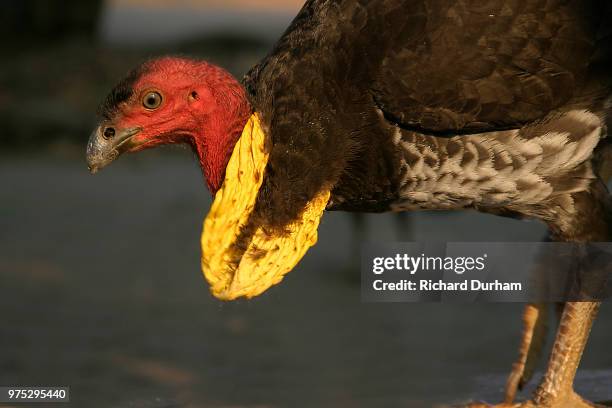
pixel 572 400
pixel 515 383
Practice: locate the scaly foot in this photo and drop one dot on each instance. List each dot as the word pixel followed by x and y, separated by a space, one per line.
pixel 535 328
pixel 572 400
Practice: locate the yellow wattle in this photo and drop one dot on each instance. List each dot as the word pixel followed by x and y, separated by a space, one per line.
pixel 268 257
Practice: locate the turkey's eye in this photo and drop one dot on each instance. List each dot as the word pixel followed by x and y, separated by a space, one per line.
pixel 152 100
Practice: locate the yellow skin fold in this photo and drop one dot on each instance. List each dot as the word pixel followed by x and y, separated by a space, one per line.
pixel 268 258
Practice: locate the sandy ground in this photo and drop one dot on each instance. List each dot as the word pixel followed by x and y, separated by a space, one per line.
pixel 101 290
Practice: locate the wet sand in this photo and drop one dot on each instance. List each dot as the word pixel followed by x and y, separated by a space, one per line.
pixel 102 291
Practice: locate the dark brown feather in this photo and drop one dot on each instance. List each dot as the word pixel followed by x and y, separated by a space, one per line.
pixel 348 77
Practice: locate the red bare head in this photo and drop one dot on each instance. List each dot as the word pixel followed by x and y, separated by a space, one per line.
pixel 173 100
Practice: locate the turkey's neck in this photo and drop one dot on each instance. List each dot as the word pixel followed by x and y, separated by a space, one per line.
pixel 221 129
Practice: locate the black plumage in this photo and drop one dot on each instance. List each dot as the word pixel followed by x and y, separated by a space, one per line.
pixel 122 92
pixel 496 105
pixel 349 76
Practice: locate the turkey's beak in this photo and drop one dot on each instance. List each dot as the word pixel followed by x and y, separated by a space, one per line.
pixel 106 143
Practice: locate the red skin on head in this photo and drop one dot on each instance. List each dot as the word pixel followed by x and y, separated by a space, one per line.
pixel 202 105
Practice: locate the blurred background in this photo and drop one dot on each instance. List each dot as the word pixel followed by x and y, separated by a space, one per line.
pixel 100 282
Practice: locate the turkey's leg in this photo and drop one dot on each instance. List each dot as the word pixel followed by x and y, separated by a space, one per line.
pixel 556 389
pixel 533 341
pixel 535 328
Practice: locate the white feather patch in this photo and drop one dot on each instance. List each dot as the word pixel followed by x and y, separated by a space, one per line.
pixel 513 167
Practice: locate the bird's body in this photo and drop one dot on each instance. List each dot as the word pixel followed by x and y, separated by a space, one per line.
pixel 439 104
pixel 501 106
